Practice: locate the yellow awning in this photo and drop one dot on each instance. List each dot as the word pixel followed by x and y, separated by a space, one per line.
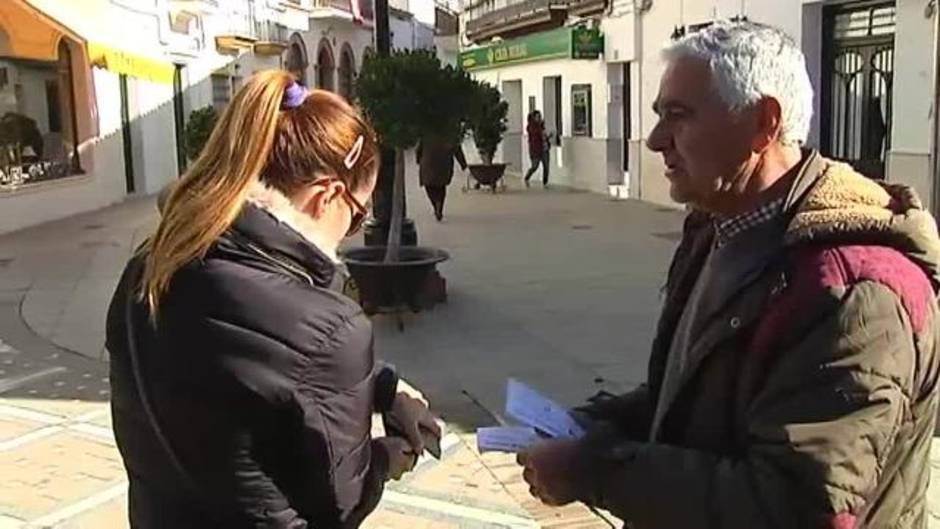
pixel 121 61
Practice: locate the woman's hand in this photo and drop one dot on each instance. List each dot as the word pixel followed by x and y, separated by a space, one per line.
pixel 411 414
pixel 401 458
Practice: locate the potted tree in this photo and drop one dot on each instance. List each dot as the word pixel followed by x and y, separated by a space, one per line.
pixel 487 123
pixel 406 96
pixel 198 129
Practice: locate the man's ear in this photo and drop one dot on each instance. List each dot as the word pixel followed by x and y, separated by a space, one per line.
pixel 769 123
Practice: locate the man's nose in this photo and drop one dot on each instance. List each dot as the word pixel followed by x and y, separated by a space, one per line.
pixel 659 139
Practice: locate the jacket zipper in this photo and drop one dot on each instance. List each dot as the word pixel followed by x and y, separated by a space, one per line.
pixel 290 267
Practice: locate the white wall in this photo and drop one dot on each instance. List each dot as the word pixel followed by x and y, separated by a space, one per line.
pixel 157 133
pixel 914 96
pixel 619 41
pixel 913 79
pixel 403 33
pixel 424 36
pixel 423 10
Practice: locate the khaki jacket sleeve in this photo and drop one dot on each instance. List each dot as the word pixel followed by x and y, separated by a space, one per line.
pixel 817 433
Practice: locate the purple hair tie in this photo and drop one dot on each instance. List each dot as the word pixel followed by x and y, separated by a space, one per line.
pixel 294 96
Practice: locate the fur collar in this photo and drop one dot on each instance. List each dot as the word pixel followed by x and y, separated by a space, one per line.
pixel 843 206
pixel 281 208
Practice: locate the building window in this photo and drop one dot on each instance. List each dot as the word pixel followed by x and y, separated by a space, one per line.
pixel 38 124
pixel 581 110
pixel 221 91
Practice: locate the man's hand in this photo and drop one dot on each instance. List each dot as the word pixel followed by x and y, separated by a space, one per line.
pixel 549 469
pixel 410 415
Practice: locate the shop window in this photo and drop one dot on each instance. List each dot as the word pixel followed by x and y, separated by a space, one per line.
pixel 38 125
pixel 581 110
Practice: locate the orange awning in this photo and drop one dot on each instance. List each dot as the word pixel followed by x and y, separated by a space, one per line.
pixel 27 33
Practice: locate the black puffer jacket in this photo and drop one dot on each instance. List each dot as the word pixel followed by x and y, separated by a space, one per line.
pixel 263 382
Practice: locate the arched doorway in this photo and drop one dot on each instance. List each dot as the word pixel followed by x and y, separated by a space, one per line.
pixel 347 72
pixel 295 58
pixel 326 67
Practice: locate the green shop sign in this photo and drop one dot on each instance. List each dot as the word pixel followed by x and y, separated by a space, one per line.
pixel 562 43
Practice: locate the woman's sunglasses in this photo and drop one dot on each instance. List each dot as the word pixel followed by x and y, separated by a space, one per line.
pixel 360 211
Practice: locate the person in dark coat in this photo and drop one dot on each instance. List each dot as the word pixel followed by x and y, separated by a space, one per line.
pixel 243 382
pixel 436 169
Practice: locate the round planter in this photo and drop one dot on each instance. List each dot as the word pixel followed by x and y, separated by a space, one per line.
pixel 487 174
pixel 410 281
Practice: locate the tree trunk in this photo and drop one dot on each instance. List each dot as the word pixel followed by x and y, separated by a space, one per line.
pixel 398 210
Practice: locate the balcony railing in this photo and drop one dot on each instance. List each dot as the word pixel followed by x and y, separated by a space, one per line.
pixel 493 18
pixel 586 7
pixel 240 29
pixel 446 23
pixel 342 5
pixel 272 38
pixel 268 31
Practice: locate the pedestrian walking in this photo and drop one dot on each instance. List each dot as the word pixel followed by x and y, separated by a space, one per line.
pixel 793 378
pixel 539 147
pixel 243 382
pixel 436 158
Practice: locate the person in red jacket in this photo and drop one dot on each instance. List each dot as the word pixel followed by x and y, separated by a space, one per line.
pixel 538 147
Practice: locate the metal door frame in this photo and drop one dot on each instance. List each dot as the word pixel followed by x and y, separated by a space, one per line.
pixel 868 48
pixel 126 136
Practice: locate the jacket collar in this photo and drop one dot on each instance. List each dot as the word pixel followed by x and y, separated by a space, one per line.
pixel 270 222
pixel 832 203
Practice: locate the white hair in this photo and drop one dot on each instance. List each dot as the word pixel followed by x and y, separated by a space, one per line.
pixel 751 61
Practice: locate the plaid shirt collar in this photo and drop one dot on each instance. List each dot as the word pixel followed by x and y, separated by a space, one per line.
pixel 727 229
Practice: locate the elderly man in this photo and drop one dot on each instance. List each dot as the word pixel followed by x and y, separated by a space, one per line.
pixel 793 379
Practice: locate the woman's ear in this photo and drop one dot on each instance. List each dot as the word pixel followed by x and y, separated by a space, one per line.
pixel 319 198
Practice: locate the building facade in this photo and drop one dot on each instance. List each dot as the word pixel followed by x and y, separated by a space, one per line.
pixel 95 95
pixel 873 65
pixel 566 61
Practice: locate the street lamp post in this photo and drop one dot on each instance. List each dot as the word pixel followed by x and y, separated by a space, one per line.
pixel 376 229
